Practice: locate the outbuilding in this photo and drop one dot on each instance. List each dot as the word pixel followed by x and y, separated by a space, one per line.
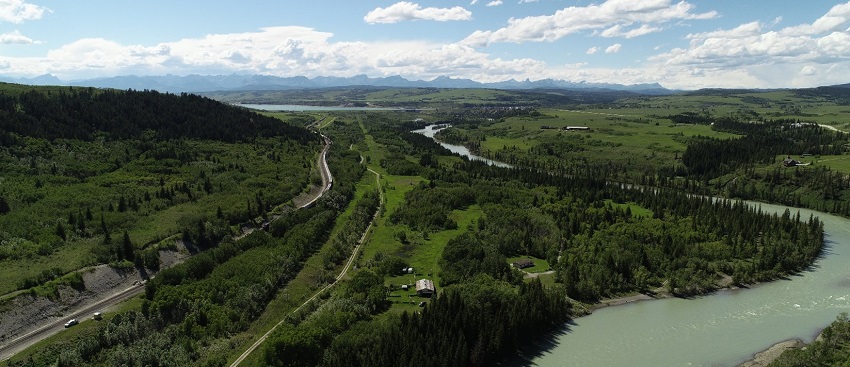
pixel 425 288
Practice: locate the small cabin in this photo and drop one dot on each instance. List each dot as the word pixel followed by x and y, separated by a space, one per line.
pixel 523 263
pixel 425 288
pixel 790 162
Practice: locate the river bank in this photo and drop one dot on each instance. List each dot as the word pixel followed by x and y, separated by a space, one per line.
pixel 722 329
pixel 769 355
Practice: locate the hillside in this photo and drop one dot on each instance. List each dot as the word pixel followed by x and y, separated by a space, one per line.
pixel 102 176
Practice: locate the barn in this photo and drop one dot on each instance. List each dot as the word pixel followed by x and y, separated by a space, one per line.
pixel 425 288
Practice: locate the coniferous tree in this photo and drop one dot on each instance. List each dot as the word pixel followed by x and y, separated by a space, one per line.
pixel 127 247
pixel 4 205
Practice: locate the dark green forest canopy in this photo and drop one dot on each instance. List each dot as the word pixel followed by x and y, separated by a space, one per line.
pixel 84 113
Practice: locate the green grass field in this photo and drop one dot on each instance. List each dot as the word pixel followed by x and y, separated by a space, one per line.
pixel 540 265
pixel 637 210
pixel 613 136
pixel 838 163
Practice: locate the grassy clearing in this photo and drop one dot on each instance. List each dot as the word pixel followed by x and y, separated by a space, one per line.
pixel 310 279
pixel 382 239
pixel 637 210
pixel 547 280
pixel 838 163
pixel 540 265
pixel 423 255
pixel 620 137
pixel 68 258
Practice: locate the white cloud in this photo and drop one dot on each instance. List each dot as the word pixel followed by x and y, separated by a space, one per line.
pixel 495 3
pixel 836 19
pixel 823 41
pixel 754 55
pixel 808 70
pixel 527 1
pixel 18 11
pixel 618 31
pixel 741 31
pixel 473 2
pixel 405 10
pixel 643 16
pixel 281 51
pixel 15 38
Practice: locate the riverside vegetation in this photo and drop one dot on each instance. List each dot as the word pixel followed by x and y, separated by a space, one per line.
pixel 567 203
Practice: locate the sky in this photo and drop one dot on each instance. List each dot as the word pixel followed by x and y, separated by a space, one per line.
pixel 679 44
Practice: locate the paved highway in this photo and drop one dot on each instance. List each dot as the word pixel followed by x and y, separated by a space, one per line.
pixel 54 326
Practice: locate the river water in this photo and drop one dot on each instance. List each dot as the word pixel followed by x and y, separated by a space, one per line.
pixel 725 328
pixel 430 130
pixel 721 329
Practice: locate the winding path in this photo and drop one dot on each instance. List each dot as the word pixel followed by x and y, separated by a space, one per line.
pixel 339 277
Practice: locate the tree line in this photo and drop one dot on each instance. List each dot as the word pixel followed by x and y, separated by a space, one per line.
pixel 83 113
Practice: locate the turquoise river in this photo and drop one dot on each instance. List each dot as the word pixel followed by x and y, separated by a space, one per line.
pixel 725 328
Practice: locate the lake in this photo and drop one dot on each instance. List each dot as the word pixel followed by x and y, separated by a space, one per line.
pixel 305 108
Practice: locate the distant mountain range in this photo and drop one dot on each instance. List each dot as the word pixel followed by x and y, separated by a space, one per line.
pixel 212 83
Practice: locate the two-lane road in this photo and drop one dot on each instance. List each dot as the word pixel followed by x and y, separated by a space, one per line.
pixel 54 326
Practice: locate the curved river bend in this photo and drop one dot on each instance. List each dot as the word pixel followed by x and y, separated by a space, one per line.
pixel 722 329
pixel 430 130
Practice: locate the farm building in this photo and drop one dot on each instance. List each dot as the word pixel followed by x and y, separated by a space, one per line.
pixel 425 288
pixel 523 263
pixel 790 162
pixel 577 128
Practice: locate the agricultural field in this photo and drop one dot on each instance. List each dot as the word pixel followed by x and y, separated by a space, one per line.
pixel 638 141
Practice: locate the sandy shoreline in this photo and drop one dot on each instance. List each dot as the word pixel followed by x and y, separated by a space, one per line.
pixel 768 355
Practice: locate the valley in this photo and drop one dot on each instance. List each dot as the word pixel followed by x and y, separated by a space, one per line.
pixel 604 195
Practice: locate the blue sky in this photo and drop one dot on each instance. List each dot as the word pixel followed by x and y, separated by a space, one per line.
pixel 679 44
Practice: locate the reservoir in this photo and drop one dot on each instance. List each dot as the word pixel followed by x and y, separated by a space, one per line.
pixel 305 108
pixel 725 328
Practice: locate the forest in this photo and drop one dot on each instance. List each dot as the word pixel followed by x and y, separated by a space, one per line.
pixel 683 248
pixel 599 228
pixel 116 173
